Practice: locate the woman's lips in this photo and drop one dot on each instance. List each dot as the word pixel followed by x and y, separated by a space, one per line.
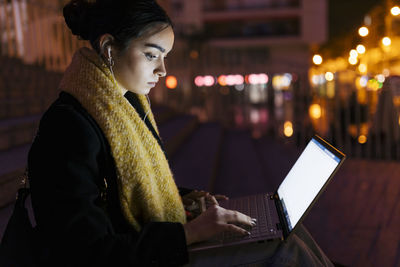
pixel 152 84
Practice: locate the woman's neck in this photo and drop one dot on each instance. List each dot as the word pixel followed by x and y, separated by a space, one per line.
pixel 123 90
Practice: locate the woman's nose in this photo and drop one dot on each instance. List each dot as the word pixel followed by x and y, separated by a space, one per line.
pixel 161 70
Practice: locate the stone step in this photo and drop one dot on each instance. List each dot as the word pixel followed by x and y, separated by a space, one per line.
pixel 175 131
pixel 240 169
pixel 195 163
pixel 163 114
pixel 18 131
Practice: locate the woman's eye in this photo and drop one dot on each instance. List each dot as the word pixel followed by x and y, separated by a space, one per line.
pixel 150 56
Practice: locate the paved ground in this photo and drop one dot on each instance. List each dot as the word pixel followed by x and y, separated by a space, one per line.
pixel 357 219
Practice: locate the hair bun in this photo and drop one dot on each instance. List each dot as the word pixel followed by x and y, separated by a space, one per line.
pixel 77 15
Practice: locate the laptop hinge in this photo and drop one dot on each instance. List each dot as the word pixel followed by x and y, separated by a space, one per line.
pixel 282 225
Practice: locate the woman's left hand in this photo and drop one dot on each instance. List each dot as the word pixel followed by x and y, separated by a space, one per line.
pixel 195 196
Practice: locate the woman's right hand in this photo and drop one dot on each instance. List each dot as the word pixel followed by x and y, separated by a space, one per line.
pixel 214 221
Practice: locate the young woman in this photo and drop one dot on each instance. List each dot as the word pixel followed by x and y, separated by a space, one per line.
pixel 102 190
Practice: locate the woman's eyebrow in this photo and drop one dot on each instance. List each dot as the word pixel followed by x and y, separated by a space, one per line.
pixel 155 46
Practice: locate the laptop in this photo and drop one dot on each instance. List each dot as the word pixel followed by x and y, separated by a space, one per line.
pixel 280 212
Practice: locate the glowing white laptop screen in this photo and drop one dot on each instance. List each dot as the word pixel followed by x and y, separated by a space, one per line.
pixel 304 181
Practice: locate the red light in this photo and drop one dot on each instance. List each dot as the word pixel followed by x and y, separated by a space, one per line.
pixel 209 80
pixel 239 79
pixel 253 79
pixel 171 82
pixel 199 81
pixel 231 80
pixel 261 78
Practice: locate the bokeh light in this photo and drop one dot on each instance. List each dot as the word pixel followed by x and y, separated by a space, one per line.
pixel 363 31
pixel 395 11
pixel 353 60
pixel 261 78
pixel 239 87
pixel 222 80
pixel 171 82
pixel 228 80
pixel 364 81
pixel 199 81
pixel 353 53
pixel 317 59
pixel 361 49
pixel 315 111
pixel 386 41
pixel 282 82
pixel 318 79
pixel 288 129
pixel 240 79
pixel 209 80
pixel 362 139
pixel 367 20
pixel 374 85
pixel 380 78
pixel 362 68
pixel 254 116
pixel 329 76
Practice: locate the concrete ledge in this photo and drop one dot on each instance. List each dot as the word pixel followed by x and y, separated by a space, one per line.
pixel 9 184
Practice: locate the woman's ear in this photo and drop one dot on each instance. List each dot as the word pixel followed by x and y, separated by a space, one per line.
pixel 106 46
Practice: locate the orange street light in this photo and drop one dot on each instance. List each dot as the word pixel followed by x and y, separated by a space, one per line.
pixel 171 82
pixel 315 111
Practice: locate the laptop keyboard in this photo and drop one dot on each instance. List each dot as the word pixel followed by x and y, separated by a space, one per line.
pixel 255 206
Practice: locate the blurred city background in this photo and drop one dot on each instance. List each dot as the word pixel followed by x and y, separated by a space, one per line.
pixel 249 83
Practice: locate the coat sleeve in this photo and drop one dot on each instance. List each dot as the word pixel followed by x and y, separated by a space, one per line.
pixel 74 231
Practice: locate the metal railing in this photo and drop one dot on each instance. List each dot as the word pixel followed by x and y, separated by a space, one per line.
pixel 362 121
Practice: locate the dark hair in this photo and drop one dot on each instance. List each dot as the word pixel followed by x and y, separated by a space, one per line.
pixel 123 19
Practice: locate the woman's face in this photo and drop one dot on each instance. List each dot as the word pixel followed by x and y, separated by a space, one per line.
pixel 141 65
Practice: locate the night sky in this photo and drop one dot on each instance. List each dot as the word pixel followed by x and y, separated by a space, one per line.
pixel 348 14
pixel 345 17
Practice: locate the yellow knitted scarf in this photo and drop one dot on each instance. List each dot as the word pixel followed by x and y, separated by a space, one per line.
pixel 146 188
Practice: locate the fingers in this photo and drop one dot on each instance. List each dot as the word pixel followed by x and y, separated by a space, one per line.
pixel 221 197
pixel 196 194
pixel 211 200
pixel 216 220
pixel 235 217
pixel 187 201
pixel 236 229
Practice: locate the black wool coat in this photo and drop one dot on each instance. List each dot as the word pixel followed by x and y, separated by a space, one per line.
pixel 79 219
